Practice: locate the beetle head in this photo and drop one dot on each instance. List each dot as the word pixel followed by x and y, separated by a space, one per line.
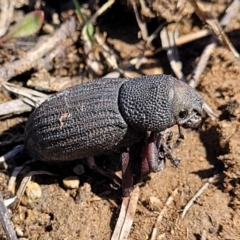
pixel 187 105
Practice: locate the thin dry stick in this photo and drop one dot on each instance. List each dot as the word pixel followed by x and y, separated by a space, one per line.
pixel 204 235
pixel 197 72
pixel 6 13
pixel 32 97
pixel 192 36
pixel 214 25
pixel 187 38
pixel 141 59
pixel 98 13
pixel 107 52
pixel 198 193
pixel 9 201
pixel 12 153
pixel 6 222
pixel 160 217
pixel 16 106
pixel 14 174
pixel 154 34
pixel 231 12
pixel 27 179
pixel 145 8
pixel 91 163
pixel 30 60
pixel 142 25
pixel 125 219
pixel 168 39
pixel 14 140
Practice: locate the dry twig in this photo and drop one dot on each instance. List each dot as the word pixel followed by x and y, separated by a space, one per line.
pixel 142 25
pixel 16 106
pixel 27 179
pixel 125 219
pixel 204 235
pixel 9 201
pixel 12 153
pixel 160 216
pixel 14 174
pixel 6 13
pixel 232 10
pixel 6 222
pixel 214 25
pixel 106 51
pixel 98 13
pixel 181 40
pixel 168 39
pixel 198 193
pixel 31 59
pixel 29 96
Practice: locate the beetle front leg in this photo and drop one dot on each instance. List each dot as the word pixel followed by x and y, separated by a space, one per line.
pixel 127 174
pixel 150 158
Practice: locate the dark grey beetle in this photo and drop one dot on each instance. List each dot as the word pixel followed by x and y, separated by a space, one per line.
pixel 109 115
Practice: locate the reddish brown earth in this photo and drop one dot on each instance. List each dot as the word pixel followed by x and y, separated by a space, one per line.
pixel 91 211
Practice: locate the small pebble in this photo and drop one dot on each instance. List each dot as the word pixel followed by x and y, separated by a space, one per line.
pixel 19 231
pixel 154 203
pixel 71 182
pixel 48 28
pixel 32 194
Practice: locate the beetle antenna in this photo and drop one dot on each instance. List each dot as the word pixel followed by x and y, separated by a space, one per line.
pixel 208 110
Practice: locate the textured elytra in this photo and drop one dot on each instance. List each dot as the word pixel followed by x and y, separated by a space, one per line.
pixel 107 115
pixel 80 121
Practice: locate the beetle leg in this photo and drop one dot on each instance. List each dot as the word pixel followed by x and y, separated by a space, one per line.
pixel 180 137
pixel 144 164
pixel 164 145
pixel 127 174
pixel 156 162
pixel 91 163
pixel 167 151
pixel 150 157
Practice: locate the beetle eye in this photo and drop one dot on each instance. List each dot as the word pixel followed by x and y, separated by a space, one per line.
pixel 183 113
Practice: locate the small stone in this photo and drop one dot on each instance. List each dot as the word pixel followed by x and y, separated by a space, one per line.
pixel 154 203
pixel 71 182
pixel 32 194
pixel 19 231
pixel 79 169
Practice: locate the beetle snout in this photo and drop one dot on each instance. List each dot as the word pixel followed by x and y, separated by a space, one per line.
pixel 194 120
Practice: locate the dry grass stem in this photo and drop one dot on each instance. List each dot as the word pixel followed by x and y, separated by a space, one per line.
pixel 125 219
pixel 142 25
pixel 27 179
pixel 29 96
pixel 6 222
pixel 231 12
pixel 31 59
pixel 6 13
pixel 198 193
pixel 13 107
pixel 99 12
pixel 168 39
pixel 12 153
pixel 163 211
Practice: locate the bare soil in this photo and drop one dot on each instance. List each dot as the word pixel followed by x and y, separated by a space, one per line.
pixel 91 211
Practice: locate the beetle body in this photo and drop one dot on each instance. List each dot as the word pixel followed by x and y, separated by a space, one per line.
pixel 107 115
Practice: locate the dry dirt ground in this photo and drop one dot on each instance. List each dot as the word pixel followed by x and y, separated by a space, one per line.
pixel 91 211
